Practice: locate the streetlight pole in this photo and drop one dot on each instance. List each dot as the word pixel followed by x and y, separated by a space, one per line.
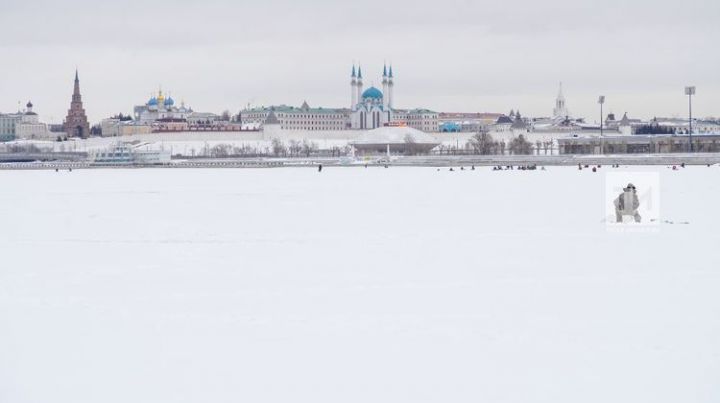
pixel 601 101
pixel 690 91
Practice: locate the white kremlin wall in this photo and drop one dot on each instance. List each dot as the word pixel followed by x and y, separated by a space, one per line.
pixel 193 143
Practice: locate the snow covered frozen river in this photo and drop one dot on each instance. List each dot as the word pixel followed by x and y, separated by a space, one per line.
pixel 355 285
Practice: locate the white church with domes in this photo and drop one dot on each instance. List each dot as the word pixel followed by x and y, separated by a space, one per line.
pixel 371 108
pixel 160 108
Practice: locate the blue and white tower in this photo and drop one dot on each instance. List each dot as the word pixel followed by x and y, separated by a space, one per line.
pixel 391 88
pixel 359 85
pixel 385 85
pixel 353 89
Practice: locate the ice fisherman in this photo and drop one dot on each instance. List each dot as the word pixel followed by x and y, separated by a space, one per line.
pixel 627 203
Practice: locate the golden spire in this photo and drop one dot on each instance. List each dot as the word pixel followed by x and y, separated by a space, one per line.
pixel 161 97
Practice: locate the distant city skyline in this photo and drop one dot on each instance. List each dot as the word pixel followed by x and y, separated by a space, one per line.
pixel 458 56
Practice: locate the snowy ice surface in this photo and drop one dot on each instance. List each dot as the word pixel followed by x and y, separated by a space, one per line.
pixel 354 285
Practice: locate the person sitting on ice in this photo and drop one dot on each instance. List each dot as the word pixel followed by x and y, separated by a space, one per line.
pixel 627 203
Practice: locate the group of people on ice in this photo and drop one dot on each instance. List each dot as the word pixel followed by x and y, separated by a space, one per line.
pixel 520 167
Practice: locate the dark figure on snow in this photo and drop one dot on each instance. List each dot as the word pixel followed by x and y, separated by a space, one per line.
pixel 320 168
pixel 627 203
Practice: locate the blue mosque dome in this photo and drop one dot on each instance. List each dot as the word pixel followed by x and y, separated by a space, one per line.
pixel 169 102
pixel 152 101
pixel 372 92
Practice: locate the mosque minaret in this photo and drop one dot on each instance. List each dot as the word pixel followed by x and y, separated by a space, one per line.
pixel 391 86
pixel 385 86
pixel 359 88
pixel 353 89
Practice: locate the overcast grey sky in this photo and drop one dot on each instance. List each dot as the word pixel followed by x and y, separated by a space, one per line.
pixel 451 55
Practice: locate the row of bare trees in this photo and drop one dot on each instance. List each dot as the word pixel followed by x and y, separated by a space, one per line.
pixel 483 144
pixel 295 148
pixel 276 148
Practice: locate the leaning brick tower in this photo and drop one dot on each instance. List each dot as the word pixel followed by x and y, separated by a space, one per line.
pixel 76 122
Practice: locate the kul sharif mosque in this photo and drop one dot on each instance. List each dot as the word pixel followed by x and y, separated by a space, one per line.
pixel 160 108
pixel 371 108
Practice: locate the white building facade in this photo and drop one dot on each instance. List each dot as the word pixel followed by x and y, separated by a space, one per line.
pixel 420 119
pixel 303 118
pixel 22 125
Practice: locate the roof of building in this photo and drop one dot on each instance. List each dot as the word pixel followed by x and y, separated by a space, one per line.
pixel 272 119
pixel 294 109
pixel 503 120
pixel 372 92
pixel 625 121
pixel 470 115
pixel 421 110
pixel 203 115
